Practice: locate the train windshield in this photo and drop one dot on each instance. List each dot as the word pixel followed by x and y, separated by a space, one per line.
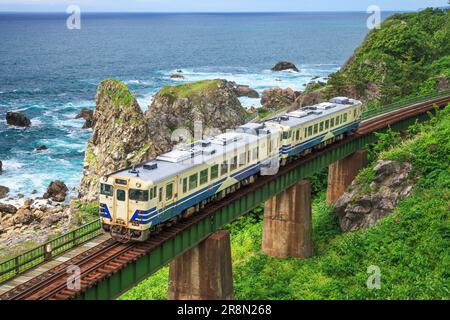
pixel 138 195
pixel 106 189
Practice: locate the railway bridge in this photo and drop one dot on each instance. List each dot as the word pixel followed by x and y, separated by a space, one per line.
pixel 198 249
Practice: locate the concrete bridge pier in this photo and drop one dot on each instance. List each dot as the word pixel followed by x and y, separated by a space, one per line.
pixel 342 172
pixel 203 272
pixel 287 230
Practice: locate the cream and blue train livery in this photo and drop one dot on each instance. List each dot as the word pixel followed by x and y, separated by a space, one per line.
pixel 136 201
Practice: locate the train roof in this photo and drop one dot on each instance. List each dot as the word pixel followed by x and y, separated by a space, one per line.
pixel 311 113
pixel 185 157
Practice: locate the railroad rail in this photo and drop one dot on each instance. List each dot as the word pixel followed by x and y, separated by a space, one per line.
pixel 109 259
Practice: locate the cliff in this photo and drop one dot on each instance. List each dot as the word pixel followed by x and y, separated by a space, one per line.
pixel 408 55
pixel 120 135
pixel 123 135
pixel 213 102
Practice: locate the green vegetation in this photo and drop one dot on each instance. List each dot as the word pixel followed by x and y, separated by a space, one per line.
pixel 85 212
pixel 410 246
pixel 121 96
pixel 173 93
pixel 407 56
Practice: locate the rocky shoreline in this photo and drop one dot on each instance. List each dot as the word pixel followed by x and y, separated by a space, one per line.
pixel 127 135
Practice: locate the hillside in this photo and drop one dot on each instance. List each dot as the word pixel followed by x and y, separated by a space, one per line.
pixel 410 246
pixel 408 55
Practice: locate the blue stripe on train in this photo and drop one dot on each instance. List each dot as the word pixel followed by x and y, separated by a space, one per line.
pixel 184 203
pixel 314 141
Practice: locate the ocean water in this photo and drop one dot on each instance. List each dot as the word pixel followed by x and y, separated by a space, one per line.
pixel 49 73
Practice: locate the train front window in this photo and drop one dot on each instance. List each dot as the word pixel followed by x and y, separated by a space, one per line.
pixel 138 195
pixel 106 189
pixel 285 135
pixel 120 195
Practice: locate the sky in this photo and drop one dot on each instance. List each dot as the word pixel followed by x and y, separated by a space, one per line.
pixel 215 5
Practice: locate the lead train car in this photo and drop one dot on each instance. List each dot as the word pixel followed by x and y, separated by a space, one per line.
pixel 137 201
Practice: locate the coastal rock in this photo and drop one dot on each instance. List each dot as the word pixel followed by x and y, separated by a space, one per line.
pixel 309 98
pixel 278 98
pixel 41 148
pixel 88 116
pixel 23 216
pixel 3 192
pixel 17 119
pixel 359 208
pixel 120 136
pixel 56 191
pixel 212 102
pixel 285 65
pixel 176 76
pixel 7 208
pixel 243 90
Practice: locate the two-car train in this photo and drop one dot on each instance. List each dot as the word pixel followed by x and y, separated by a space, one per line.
pixel 136 201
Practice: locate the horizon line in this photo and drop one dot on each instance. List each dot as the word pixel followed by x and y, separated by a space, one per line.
pixel 216 12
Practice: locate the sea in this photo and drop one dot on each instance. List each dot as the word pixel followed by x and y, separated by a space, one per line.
pixel 49 72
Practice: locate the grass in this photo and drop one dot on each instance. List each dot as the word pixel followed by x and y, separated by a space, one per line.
pixel 185 90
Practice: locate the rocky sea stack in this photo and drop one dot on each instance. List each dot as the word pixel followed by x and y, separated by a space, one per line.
pixel 213 102
pixel 120 136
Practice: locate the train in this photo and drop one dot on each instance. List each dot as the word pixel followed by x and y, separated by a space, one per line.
pixel 138 201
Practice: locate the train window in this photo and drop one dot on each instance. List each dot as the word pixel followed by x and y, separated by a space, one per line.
pixel 193 181
pixel 224 168
pixel 248 156
pixel 285 135
pixel 345 117
pixel 316 128
pixel 214 171
pixel 242 159
pixel 185 185
pixel 169 191
pixel 106 189
pixel 327 124
pixel 138 195
pixel 354 113
pixel 321 126
pixel 332 123
pixel 204 176
pixel 310 129
pixel 233 163
pixel 151 194
pixel 290 134
pixel 306 133
pixel 337 120
pixel 160 194
pixel 297 135
pixel 120 195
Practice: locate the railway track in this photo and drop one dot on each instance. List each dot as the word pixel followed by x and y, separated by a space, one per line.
pixel 109 257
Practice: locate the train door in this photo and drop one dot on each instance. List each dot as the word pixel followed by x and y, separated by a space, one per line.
pixel 121 205
pixel 170 196
pixel 167 197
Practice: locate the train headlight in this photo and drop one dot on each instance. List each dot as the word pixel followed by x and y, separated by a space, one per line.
pixel 138 185
pixel 105 179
